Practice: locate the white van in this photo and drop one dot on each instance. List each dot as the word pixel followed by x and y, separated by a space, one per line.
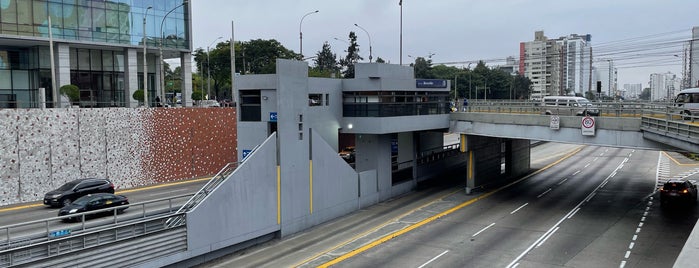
pixel 568 105
pixel 688 101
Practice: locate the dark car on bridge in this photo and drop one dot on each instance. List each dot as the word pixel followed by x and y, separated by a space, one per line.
pixel 93 202
pixel 73 190
pixel 348 154
pixel 678 191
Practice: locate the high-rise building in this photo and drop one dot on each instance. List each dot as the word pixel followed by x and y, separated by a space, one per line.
pixel 557 66
pixel 694 59
pixel 605 72
pixel 664 86
pixel 575 71
pixel 97 45
pixel 632 91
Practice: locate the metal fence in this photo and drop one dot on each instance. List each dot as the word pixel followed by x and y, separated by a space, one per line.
pixel 36 242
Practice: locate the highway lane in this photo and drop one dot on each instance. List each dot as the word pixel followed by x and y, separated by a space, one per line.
pixel 312 247
pixel 589 211
pixel 38 211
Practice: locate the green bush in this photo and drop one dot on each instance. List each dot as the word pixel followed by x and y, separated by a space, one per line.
pixel 197 95
pixel 72 91
pixel 138 95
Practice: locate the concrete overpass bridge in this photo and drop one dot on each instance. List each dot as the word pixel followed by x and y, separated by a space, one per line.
pixel 640 125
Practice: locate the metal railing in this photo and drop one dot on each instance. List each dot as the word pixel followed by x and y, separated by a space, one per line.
pixel 659 117
pixel 197 198
pixel 42 239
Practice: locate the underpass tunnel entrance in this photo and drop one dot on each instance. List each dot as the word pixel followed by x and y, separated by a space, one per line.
pixel 494 161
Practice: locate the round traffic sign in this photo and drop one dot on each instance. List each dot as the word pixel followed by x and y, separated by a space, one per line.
pixel 588 122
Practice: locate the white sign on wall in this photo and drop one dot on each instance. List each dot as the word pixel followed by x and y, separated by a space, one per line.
pixel 555 122
pixel 588 126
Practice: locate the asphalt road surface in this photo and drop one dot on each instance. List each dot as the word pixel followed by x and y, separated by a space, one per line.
pixel 594 208
pixel 38 211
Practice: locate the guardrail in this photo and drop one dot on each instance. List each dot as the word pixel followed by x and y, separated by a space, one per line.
pixel 675 129
pixel 607 109
pixel 662 118
pixel 42 239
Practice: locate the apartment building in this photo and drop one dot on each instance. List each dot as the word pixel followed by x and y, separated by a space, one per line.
pixel 664 86
pixel 557 66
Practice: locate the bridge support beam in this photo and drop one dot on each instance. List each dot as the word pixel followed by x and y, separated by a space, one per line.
pixel 494 161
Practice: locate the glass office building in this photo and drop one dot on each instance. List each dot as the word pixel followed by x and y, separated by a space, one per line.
pixel 97 46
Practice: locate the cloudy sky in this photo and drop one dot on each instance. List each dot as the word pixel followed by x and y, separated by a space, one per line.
pixel 640 36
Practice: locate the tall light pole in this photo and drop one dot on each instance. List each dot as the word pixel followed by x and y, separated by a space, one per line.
pixel 208 69
pixel 400 3
pixel 470 77
pixel 367 34
pixel 162 65
pixel 301 33
pixel 145 62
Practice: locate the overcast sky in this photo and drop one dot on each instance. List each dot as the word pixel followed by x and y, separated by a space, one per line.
pixel 462 30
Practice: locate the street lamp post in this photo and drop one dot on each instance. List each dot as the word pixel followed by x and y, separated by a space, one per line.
pixel 301 33
pixel 400 3
pixel 162 65
pixel 367 34
pixel 145 63
pixel 208 69
pixel 470 77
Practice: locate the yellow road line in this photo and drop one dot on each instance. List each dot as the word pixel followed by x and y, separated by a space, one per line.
pixel 118 192
pixel 677 162
pixel 428 220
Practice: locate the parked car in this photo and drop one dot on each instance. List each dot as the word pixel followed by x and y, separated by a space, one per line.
pixel 73 190
pixel 93 202
pixel 568 105
pixel 209 103
pixel 681 191
pixel 348 154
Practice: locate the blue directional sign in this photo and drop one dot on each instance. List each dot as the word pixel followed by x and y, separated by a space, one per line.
pixel 59 233
pixel 430 83
pixel 272 116
pixel 246 153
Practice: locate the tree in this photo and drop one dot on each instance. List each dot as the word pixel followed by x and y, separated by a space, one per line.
pixel 72 92
pixel 325 62
pixel 352 57
pixel 472 83
pixel 521 88
pixel 423 68
pixel 197 95
pixel 251 57
pixel 138 95
pixel 380 60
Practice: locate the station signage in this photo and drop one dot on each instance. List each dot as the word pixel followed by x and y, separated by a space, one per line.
pixel 430 83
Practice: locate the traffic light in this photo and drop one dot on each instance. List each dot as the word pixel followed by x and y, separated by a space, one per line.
pixel 599 86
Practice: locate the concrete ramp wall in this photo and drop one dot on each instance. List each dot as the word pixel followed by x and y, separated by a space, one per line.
pixel 243 207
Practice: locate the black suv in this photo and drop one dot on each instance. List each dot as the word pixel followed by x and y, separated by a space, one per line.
pixel 72 190
pixel 678 190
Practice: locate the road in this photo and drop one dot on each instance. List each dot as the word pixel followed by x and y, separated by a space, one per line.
pixel 593 209
pixel 38 211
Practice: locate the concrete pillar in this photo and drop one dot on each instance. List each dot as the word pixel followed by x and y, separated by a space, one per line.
pixel 186 66
pixel 62 69
pixel 130 77
pixel 158 70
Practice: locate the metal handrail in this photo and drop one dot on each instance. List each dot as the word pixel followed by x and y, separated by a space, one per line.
pixel 25 236
pixel 77 242
pixel 198 197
